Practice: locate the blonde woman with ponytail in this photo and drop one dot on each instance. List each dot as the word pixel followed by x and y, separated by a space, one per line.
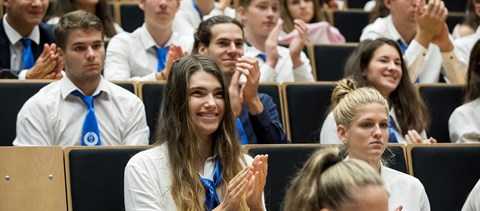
pixel 361 115
pixel 197 163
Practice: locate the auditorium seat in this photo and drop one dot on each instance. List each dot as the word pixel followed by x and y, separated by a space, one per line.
pixel 351 23
pixel 306 105
pixel 151 94
pixel 131 16
pixel 441 100
pixel 447 171
pixel 94 176
pixel 274 91
pixel 328 60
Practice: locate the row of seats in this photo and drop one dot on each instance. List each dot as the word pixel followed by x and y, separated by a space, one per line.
pixel 91 178
pixel 350 22
pixel 302 106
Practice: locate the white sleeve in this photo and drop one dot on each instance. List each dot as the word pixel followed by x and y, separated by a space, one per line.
pixel 328 134
pixel 303 72
pixel 455 69
pixel 34 127
pixel 460 127
pixel 472 203
pixel 267 73
pixel 139 188
pixel 117 65
pixel 136 131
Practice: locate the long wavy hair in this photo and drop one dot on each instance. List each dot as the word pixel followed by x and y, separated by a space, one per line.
pixel 410 109
pixel 328 181
pixel 102 11
pixel 472 89
pixel 471 18
pixel 177 129
pixel 287 18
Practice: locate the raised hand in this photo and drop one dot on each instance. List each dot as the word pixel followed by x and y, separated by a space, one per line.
pixel 47 63
pixel 297 44
pixel 257 183
pixel 250 69
pixel 430 19
pixel 175 52
pixel 413 137
pixel 236 189
pixel 236 95
pixel 271 43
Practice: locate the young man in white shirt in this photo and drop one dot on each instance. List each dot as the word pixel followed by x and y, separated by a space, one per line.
pixel 422 33
pixel 147 53
pixel 82 108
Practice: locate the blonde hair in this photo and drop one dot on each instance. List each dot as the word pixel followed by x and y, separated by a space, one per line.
pixel 347 98
pixel 325 181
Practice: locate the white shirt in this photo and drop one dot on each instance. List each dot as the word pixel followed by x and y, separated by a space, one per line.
pixel 54 20
pixel 148 180
pixel 16 46
pixel 328 134
pixel 464 123
pixel 131 56
pixel 54 116
pixel 421 62
pixel 473 202
pixel 464 45
pixel 284 71
pixel 188 18
pixel 404 190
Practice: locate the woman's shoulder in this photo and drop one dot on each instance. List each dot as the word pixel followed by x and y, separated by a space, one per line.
pixel 157 155
pixel 401 178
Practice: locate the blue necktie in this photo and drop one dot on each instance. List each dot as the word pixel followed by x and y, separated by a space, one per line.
pixel 162 57
pixel 404 47
pixel 197 9
pixel 90 131
pixel 28 60
pixel 241 132
pixel 211 197
pixel 392 138
pixel 262 56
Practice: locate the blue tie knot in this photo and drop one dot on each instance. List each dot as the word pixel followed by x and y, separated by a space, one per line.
pixel 162 57
pixel 28 60
pixel 262 56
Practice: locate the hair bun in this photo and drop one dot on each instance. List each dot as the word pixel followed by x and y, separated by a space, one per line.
pixel 343 87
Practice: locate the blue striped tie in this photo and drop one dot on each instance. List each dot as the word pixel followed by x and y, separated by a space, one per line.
pixel 262 56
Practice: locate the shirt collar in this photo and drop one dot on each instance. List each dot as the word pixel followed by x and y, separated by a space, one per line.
pixel 394 34
pixel 252 52
pixel 67 87
pixel 15 37
pixel 147 40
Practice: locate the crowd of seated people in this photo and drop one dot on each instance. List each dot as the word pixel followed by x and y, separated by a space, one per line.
pixel 212 56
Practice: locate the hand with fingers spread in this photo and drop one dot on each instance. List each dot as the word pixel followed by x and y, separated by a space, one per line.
pixel 257 183
pixel 271 43
pixel 47 63
pixel 236 94
pixel 296 46
pixel 236 189
pixel 431 19
pixel 413 137
pixel 175 52
pixel 251 70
